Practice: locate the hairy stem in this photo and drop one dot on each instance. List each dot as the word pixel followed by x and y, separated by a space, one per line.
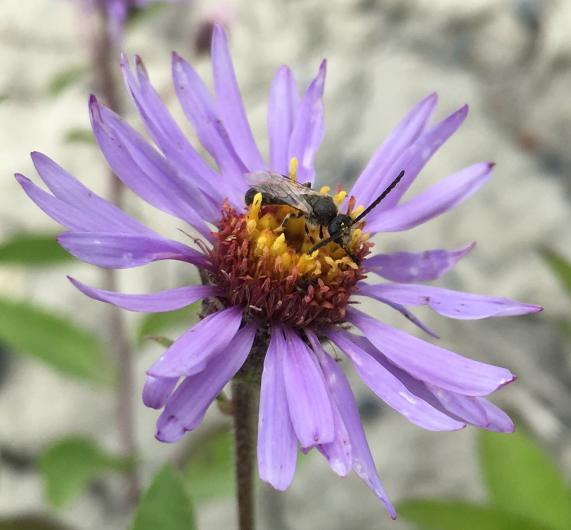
pixel 245 398
pixel 105 56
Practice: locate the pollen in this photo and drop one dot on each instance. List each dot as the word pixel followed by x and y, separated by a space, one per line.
pixel 262 261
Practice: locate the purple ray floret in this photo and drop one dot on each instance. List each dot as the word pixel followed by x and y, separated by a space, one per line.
pixel 274 296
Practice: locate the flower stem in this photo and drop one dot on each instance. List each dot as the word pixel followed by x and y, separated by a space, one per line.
pixel 245 398
pixel 104 57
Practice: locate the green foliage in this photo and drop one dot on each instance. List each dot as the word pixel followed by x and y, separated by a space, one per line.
pixel 165 505
pixel 40 334
pixel 31 522
pixel 560 267
pixel 458 515
pixel 154 325
pixel 78 135
pixel 208 470
pixel 522 478
pixel 70 465
pixel 65 78
pixel 526 492
pixel 32 250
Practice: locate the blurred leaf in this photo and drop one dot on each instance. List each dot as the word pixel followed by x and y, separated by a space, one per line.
pixel 155 324
pixel 70 465
pixel 29 330
pixel 65 78
pixel 165 505
pixel 139 14
pixel 78 135
pixel 4 97
pixel 31 522
pixel 560 267
pixel 209 469
pixel 522 478
pixel 163 341
pixel 32 250
pixel 458 515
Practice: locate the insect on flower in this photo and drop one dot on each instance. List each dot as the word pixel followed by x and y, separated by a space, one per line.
pixel 318 209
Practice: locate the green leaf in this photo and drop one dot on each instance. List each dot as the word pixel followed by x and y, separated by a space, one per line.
pixel 458 515
pixel 156 324
pixel 78 135
pixel 40 334
pixel 65 78
pixel 32 250
pixel 560 267
pixel 165 505
pixel 209 468
pixel 522 478
pixel 70 465
pixel 31 522
pixel 4 97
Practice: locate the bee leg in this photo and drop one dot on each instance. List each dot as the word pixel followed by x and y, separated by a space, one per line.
pixel 308 234
pixel 289 216
pixel 320 231
pixel 355 259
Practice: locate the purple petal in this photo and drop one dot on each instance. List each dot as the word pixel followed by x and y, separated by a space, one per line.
pixel 198 107
pixel 190 353
pixel 390 389
pixel 342 396
pixel 417 156
pixel 277 444
pixel 308 128
pixel 308 399
pixel 413 267
pixel 338 452
pixel 376 176
pixel 282 108
pixel 122 251
pixel 144 170
pixel 438 199
pixel 497 419
pixel 452 304
pixel 157 390
pixel 103 216
pixel 430 363
pixel 169 300
pixel 229 102
pixel 185 409
pixel 168 136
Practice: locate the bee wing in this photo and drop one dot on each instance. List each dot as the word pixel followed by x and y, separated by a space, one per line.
pixel 281 188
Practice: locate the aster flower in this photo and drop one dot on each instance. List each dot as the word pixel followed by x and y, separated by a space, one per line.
pixel 263 288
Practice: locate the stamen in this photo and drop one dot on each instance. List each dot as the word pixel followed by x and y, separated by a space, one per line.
pixel 324 190
pixel 340 197
pixel 293 169
pixel 357 211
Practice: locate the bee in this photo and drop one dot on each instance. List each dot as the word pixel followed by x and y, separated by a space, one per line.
pixel 318 209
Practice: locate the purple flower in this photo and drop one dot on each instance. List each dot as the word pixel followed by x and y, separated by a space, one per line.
pixel 264 284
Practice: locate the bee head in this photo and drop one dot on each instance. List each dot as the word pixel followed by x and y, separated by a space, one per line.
pixel 339 226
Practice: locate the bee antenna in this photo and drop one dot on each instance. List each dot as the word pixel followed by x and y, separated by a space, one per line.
pixel 378 200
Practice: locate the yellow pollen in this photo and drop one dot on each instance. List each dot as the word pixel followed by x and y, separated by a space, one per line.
pixel 340 197
pixel 325 190
pixel 357 211
pixel 293 168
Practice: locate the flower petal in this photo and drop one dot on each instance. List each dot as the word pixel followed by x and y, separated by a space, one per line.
pixel 122 251
pixel 498 420
pixel 190 353
pixel 308 128
pixel 277 444
pixel 376 175
pixel 229 102
pixel 157 390
pixel 142 169
pixel 282 108
pixel 308 400
pixel 438 199
pixel 185 409
pixel 168 300
pixel 342 396
pixel 451 304
pixel 166 133
pixel 413 267
pixel 390 389
pixel 338 452
pixel 104 215
pixel 198 107
pixel 430 363
pixel 417 156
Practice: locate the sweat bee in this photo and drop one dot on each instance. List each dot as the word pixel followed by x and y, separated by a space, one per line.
pixel 319 210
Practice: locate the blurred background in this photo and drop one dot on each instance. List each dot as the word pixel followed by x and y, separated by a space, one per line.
pixel 60 453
